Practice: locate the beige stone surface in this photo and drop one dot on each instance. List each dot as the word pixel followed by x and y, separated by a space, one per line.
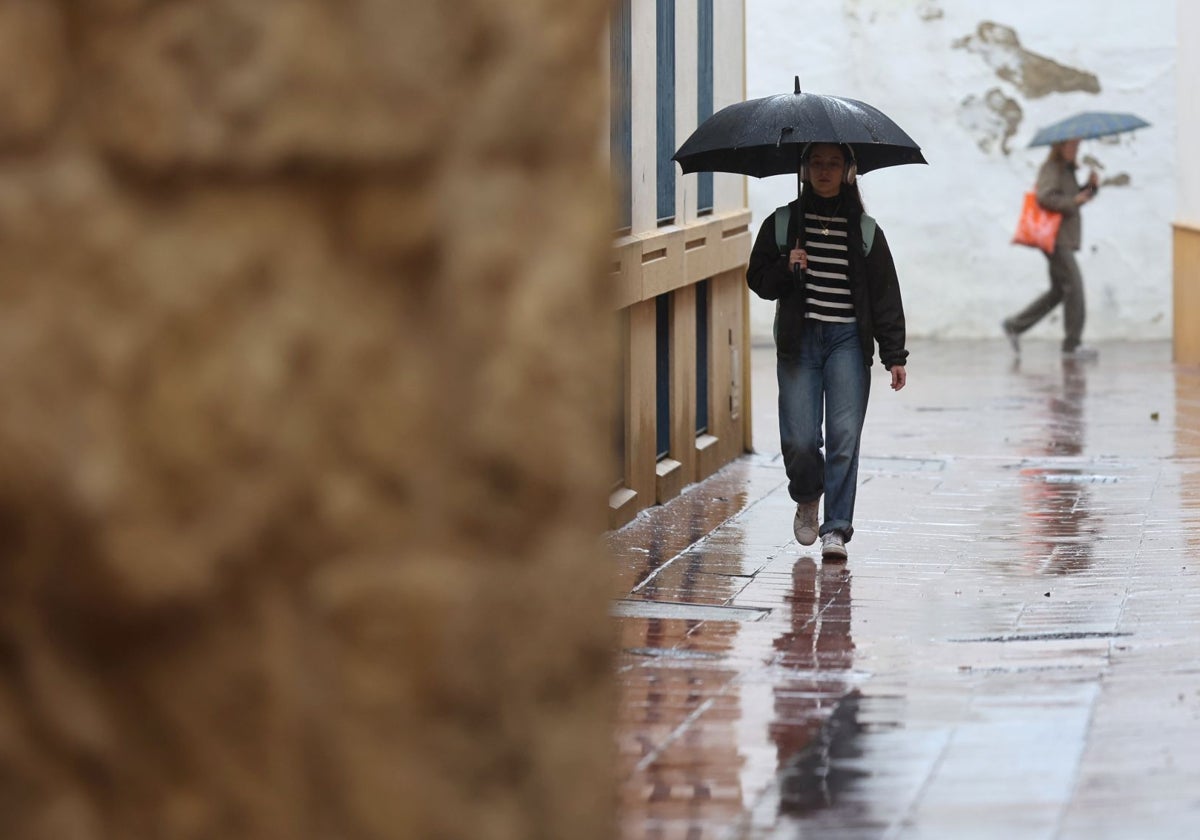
pixel 33 69
pixel 305 350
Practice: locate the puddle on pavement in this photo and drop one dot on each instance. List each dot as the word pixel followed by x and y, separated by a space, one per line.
pixel 723 702
pixel 960 654
pixel 818 773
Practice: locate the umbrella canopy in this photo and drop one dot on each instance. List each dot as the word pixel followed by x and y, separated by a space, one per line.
pixel 1086 126
pixel 767 136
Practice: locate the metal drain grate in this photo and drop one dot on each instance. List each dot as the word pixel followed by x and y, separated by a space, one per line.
pixel 1061 636
pixel 682 654
pixel 1062 478
pixel 896 464
pixel 685 611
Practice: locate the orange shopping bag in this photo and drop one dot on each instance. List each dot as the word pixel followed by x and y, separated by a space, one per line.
pixel 1037 226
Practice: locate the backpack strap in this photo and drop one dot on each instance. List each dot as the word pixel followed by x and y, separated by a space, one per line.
pixel 783 215
pixel 868 233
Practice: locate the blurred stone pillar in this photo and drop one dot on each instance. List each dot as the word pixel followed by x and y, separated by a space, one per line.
pixel 304 352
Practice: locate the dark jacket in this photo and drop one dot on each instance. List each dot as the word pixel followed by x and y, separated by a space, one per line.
pixel 874 289
pixel 1056 191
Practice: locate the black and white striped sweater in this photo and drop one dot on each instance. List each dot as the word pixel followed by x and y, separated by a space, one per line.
pixel 826 283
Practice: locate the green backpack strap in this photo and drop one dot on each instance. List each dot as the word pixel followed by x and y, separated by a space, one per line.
pixel 868 233
pixel 783 215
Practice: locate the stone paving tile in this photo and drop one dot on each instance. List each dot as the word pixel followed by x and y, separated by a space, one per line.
pixel 1012 650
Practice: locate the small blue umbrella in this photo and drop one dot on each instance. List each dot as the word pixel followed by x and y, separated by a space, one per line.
pixel 1085 126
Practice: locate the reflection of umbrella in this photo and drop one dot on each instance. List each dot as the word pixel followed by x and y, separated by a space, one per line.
pixel 1086 126
pixel 767 136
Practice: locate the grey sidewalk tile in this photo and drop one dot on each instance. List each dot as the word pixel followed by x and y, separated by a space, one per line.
pixel 1009 652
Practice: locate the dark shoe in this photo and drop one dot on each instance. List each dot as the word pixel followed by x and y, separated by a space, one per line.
pixel 1014 337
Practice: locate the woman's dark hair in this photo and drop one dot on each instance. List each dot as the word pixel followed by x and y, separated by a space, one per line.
pixel 850 192
pixel 1056 151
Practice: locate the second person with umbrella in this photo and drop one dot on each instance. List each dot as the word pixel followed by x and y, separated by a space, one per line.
pixel 831 272
pixel 1059 192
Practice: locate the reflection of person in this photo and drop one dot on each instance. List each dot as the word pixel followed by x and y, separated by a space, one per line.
pixel 1059 192
pixel 1056 503
pixel 816 712
pixel 826 326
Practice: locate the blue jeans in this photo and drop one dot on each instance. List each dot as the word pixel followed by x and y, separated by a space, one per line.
pixel 827 377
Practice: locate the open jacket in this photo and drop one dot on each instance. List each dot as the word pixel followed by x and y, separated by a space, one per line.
pixel 1056 191
pixel 874 290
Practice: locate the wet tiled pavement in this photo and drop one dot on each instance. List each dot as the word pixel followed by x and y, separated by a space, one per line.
pixel 1012 650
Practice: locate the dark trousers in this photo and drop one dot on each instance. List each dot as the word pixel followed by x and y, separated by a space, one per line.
pixel 1066 287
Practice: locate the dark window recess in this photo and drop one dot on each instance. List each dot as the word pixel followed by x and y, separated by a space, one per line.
pixel 618 464
pixel 620 139
pixel 666 111
pixel 704 110
pixel 662 368
pixel 702 294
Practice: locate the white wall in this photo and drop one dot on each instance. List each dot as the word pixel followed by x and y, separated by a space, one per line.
pixel 949 224
pixel 1188 211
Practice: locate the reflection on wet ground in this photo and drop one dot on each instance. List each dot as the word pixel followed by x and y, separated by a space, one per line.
pixel 1011 652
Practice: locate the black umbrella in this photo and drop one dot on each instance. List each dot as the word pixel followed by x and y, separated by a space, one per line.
pixel 767 136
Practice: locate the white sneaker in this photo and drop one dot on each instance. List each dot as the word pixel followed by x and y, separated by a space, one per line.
pixel 804 526
pixel 1081 352
pixel 833 546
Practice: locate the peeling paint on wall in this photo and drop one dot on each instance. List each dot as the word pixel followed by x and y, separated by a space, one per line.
pixel 852 10
pixel 930 10
pixel 930 65
pixel 993 118
pixel 1034 75
pixel 1119 179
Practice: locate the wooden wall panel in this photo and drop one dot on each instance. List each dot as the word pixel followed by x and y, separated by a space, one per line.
pixel 728 353
pixel 683 380
pixel 673 259
pixel 640 454
pixel 1187 295
pixel 662 261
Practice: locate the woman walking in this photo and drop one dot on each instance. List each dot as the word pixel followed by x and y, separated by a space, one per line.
pixel 828 267
pixel 1059 192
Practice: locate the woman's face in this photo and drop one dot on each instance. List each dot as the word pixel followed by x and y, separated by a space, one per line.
pixel 1069 150
pixel 826 166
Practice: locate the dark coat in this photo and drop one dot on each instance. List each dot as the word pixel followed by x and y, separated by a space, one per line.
pixel 874 289
pixel 1056 191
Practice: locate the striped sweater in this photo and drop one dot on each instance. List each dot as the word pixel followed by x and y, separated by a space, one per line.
pixel 827 284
